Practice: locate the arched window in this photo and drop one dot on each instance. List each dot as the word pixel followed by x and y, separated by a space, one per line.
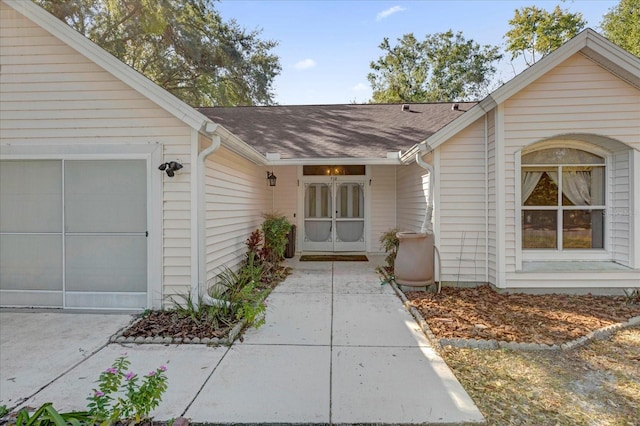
pixel 563 199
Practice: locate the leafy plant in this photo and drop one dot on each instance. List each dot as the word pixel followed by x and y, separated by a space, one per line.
pixel 3 411
pixel 46 415
pixel 240 291
pixel 141 395
pixel 390 243
pixel 275 228
pixel 632 296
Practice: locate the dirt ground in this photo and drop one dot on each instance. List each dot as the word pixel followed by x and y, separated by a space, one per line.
pixel 596 384
pixel 482 313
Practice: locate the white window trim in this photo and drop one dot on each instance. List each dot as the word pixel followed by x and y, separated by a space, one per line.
pixel 527 255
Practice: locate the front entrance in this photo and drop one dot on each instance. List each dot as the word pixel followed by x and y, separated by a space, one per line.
pixel 334 213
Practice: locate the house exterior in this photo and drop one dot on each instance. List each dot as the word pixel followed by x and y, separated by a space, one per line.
pixel 536 187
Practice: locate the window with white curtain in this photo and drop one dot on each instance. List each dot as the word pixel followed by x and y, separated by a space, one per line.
pixel 563 199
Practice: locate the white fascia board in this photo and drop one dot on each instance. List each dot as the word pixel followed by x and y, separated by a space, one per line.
pixel 451 129
pixel 335 161
pixel 110 63
pixel 237 145
pixel 587 40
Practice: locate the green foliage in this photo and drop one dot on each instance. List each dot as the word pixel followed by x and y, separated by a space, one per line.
pixel 275 228
pixel 182 45
pixel 621 25
pixel 137 398
pixel 632 296
pixel 244 299
pixel 536 31
pixel 390 244
pixel 46 415
pixel 444 67
pixel 3 411
pixel 140 395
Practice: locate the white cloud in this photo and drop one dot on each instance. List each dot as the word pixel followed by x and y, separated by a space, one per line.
pixel 360 87
pixel 388 12
pixel 305 64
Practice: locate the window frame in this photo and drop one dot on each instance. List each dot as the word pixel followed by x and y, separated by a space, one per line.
pixel 560 254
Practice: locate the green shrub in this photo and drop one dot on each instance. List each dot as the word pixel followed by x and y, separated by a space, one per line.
pixel 275 228
pixel 390 243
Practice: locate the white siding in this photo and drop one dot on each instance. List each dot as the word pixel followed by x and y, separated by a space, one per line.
pixel 412 192
pixel 52 96
pixel 577 96
pixel 620 208
pixel 462 207
pixel 491 193
pixel 382 193
pixel 237 194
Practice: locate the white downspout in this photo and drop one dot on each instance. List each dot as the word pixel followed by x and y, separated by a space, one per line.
pixel 199 292
pixel 427 226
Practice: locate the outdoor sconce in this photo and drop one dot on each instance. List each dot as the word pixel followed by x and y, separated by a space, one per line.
pixel 271 178
pixel 171 167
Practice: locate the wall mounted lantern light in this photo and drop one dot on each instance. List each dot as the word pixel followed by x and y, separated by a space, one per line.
pixel 271 178
pixel 170 168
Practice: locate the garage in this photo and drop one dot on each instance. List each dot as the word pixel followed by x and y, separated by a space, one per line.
pixel 73 233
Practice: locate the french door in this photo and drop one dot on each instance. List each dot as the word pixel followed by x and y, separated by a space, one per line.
pixel 334 214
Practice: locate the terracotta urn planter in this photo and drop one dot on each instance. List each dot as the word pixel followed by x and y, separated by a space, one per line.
pixel 414 265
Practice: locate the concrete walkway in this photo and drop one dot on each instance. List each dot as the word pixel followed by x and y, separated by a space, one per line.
pixel 337 348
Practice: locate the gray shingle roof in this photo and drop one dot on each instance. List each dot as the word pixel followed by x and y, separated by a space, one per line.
pixel 333 131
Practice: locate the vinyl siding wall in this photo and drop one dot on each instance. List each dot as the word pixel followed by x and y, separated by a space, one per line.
pixel 236 196
pixel 491 197
pixel 577 96
pixel 462 205
pixel 382 194
pixel 52 96
pixel 412 195
pixel 621 207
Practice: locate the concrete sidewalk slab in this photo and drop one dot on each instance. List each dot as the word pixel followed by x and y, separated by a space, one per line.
pixel 267 384
pixel 188 367
pixel 39 346
pixel 294 319
pixel 306 281
pixel 396 386
pixel 374 320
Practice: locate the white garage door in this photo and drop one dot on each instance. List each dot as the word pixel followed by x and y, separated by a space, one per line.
pixel 73 233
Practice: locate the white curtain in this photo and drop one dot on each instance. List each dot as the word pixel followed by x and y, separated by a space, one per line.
pixel 529 182
pixel 576 185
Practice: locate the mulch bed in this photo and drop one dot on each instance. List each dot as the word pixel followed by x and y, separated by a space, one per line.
pixel 483 313
pixel 170 324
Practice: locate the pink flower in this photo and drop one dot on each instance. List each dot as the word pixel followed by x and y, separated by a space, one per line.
pixel 163 368
pixel 130 375
pixel 99 393
pixel 111 370
pixel 151 373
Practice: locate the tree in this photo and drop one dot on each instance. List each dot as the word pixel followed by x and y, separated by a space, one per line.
pixel 621 25
pixel 445 67
pixel 182 45
pixel 536 31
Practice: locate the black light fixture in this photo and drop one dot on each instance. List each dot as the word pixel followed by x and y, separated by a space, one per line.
pixel 271 178
pixel 171 167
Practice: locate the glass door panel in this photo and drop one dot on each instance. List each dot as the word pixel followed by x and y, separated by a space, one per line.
pixel 318 223
pixel 349 218
pixel 334 216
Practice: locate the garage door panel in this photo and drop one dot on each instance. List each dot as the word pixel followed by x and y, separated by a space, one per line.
pixel 31 262
pixel 30 196
pixel 105 196
pixel 106 263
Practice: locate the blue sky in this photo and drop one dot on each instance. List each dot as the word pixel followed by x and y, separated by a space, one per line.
pixel 326 46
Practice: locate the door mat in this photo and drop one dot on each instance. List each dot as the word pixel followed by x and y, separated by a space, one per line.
pixel 333 258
